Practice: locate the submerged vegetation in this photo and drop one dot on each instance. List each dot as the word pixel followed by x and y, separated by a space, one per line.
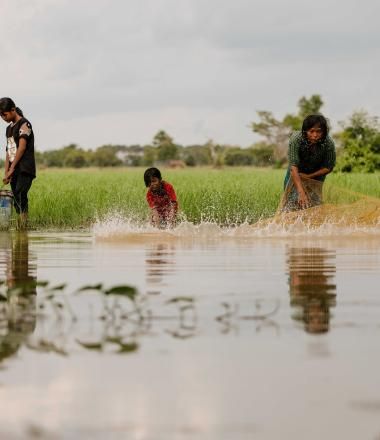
pixel 76 199
pixel 119 317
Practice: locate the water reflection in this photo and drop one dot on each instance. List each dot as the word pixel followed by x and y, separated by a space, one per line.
pixel 159 261
pixel 179 314
pixel 18 292
pixel 311 286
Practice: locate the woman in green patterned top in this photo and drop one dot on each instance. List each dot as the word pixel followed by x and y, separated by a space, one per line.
pixel 311 156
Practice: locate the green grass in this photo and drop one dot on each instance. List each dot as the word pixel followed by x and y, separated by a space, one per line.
pixel 75 199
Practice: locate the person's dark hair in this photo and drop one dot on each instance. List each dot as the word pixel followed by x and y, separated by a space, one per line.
pixel 7 104
pixel 150 173
pixel 315 120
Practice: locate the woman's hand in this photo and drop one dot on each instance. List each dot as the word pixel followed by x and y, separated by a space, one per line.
pixel 303 200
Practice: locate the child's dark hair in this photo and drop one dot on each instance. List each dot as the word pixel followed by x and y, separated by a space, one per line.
pixel 150 173
pixel 315 120
pixel 7 105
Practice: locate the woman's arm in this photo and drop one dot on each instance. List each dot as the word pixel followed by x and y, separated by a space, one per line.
pixel 320 172
pixel 303 200
pixel 294 160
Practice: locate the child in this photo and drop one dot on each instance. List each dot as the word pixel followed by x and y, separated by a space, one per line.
pixel 20 166
pixel 161 198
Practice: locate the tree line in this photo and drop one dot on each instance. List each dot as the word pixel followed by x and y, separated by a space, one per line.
pixel 357 140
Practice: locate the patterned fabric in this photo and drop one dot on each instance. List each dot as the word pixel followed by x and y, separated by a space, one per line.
pixel 311 157
pixel 11 148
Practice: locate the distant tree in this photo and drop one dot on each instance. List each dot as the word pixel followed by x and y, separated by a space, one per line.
pixel 57 158
pixel 262 155
pixel 309 106
pixel 166 149
pixel 76 158
pixel 54 158
pixel 150 156
pixel 359 141
pixel 135 161
pixel 216 153
pixel 238 157
pixel 161 138
pixel 105 156
pixel 190 160
pixel 276 132
pixel 196 155
pixel 39 157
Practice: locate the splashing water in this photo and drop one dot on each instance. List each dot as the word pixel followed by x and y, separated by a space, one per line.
pixel 343 213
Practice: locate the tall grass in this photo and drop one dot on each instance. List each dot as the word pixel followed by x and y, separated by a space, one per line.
pixel 75 199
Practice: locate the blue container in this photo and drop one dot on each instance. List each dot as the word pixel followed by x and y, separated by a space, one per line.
pixel 6 202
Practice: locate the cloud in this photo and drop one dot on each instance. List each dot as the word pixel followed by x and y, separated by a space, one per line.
pixel 66 64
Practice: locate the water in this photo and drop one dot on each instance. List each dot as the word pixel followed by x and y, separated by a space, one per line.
pixel 242 334
pixel 6 198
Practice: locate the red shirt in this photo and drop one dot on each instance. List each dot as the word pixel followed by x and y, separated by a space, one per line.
pixel 163 199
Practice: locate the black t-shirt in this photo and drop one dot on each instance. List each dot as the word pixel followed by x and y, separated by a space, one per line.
pixel 21 129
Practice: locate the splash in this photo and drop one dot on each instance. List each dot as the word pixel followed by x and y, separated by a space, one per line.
pixel 112 229
pixel 343 213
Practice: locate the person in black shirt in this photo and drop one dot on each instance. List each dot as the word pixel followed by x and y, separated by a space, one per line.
pixel 20 166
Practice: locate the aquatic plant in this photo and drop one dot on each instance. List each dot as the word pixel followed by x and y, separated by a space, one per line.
pixel 119 317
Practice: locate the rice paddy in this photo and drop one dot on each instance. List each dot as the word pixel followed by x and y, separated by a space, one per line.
pixel 75 199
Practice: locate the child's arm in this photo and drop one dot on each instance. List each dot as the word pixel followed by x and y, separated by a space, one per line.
pixel 155 218
pixel 172 214
pixel 172 196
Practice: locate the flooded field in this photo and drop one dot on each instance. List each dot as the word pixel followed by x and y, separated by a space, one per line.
pixel 211 334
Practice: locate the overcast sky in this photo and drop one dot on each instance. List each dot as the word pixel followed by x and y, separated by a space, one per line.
pixel 117 71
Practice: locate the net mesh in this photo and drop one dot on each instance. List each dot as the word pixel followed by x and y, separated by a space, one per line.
pixel 328 204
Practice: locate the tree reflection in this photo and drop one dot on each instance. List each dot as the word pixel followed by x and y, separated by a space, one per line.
pixel 18 292
pixel 311 286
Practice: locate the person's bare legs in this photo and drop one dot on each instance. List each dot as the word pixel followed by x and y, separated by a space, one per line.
pixel 22 221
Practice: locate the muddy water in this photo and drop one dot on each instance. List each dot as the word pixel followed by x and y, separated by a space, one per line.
pixel 230 336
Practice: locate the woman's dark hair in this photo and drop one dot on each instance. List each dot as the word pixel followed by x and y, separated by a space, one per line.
pixel 315 120
pixel 150 173
pixel 7 105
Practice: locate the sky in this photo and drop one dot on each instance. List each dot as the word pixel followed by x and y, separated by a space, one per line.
pixel 117 71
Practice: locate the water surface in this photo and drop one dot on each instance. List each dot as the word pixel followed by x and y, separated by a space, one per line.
pixel 237 337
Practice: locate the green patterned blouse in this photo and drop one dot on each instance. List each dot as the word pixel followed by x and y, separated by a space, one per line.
pixel 309 158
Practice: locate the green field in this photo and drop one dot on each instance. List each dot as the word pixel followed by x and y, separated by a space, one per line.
pixel 66 199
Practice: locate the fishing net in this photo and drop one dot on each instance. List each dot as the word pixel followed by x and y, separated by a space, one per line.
pixel 328 204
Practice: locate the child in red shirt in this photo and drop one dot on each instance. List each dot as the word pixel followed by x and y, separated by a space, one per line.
pixel 161 198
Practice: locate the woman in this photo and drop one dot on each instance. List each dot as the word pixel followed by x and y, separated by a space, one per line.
pixel 311 156
pixel 20 166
